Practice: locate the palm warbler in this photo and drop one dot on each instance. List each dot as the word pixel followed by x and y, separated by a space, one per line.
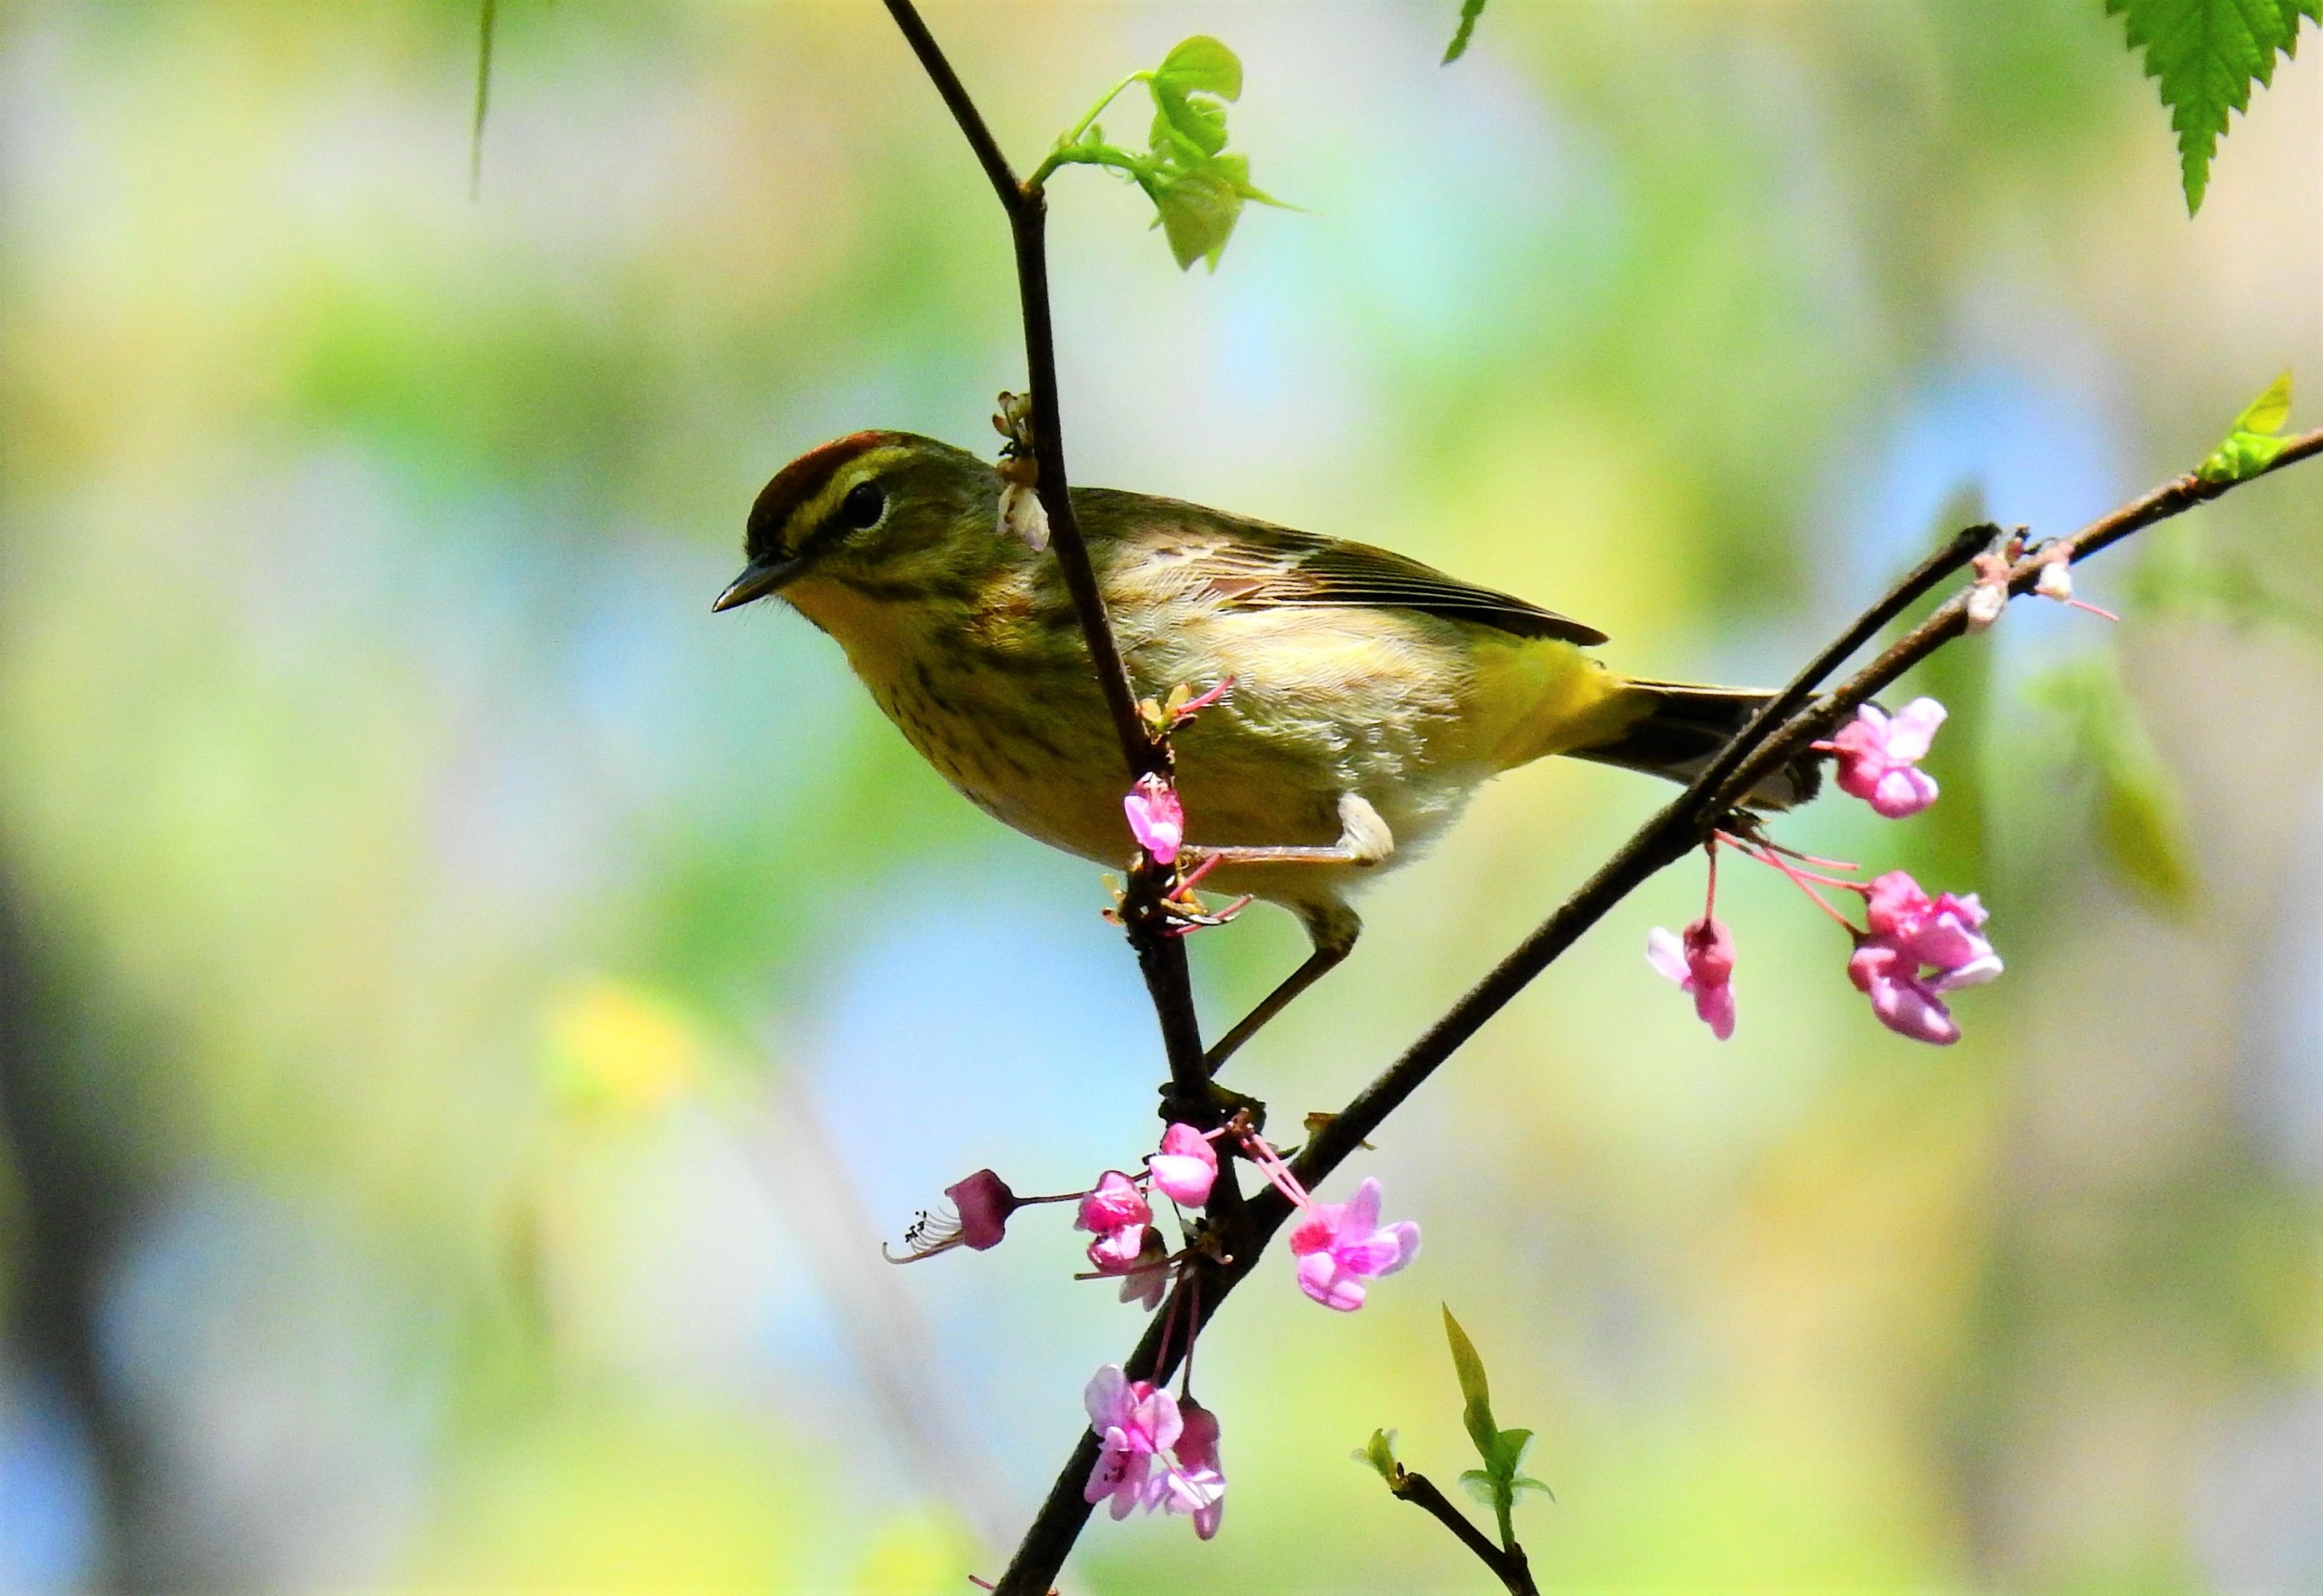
pixel 1371 695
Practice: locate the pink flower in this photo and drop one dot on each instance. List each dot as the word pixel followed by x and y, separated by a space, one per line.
pixel 1156 819
pixel 1186 1168
pixel 1702 964
pixel 981 1205
pixel 1197 1484
pixel 1115 1204
pixel 1945 931
pixel 1117 1251
pixel 985 1203
pixel 1909 930
pixel 1878 756
pixel 1340 1245
pixel 1136 1423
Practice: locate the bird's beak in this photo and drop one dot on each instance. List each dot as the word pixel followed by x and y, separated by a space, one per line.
pixel 759 578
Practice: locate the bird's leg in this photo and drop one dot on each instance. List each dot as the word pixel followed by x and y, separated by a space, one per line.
pixel 1325 958
pixel 1363 840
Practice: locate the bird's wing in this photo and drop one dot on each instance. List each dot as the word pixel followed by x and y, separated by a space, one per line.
pixel 1251 565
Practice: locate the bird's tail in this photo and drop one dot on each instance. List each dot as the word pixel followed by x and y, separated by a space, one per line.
pixel 1674 728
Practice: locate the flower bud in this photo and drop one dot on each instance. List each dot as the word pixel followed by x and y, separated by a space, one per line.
pixel 984 1202
pixel 1186 1168
pixel 1113 1204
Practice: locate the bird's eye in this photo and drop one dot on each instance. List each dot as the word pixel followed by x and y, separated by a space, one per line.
pixel 864 505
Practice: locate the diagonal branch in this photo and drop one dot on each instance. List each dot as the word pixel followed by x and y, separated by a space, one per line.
pixel 2173 498
pixel 1669 836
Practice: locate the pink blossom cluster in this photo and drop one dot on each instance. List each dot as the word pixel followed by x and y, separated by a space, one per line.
pixel 1913 948
pixel 1917 948
pixel 1338 1246
pixel 1879 758
pixel 1156 1450
pixel 1701 963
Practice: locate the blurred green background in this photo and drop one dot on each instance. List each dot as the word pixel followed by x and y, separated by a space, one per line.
pixel 468 1016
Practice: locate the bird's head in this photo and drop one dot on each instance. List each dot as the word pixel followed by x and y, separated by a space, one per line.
pixel 872 510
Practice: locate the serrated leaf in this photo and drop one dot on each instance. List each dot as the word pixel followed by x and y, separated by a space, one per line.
pixel 1201 65
pixel 1470 10
pixel 1199 210
pixel 2206 55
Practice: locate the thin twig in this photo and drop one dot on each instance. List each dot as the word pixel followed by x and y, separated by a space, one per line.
pixel 1509 1566
pixel 1160 957
pixel 1921 581
pixel 2173 498
pixel 1027 210
pixel 955 96
pixel 487 15
pixel 1669 836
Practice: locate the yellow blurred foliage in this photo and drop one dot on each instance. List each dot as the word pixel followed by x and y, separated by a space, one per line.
pixel 616 1051
pixel 619 1501
pixel 918 1553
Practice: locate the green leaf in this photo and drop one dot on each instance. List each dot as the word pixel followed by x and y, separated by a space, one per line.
pixel 1201 123
pixel 1482 1487
pixel 1527 1483
pixel 2251 446
pixel 1200 65
pixel 1199 210
pixel 2269 410
pixel 1476 1386
pixel 2206 55
pixel 1507 1457
pixel 1379 1453
pixel 1475 1389
pixel 1470 10
pixel 2144 834
pixel 2140 826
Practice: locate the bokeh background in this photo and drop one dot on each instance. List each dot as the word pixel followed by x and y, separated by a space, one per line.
pixel 468 1017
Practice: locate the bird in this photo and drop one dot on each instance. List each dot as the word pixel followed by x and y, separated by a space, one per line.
pixel 1371 695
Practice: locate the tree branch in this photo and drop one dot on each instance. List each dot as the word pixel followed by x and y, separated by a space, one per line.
pixel 1160 957
pixel 1027 210
pixel 2173 498
pixel 1669 836
pixel 1510 1566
